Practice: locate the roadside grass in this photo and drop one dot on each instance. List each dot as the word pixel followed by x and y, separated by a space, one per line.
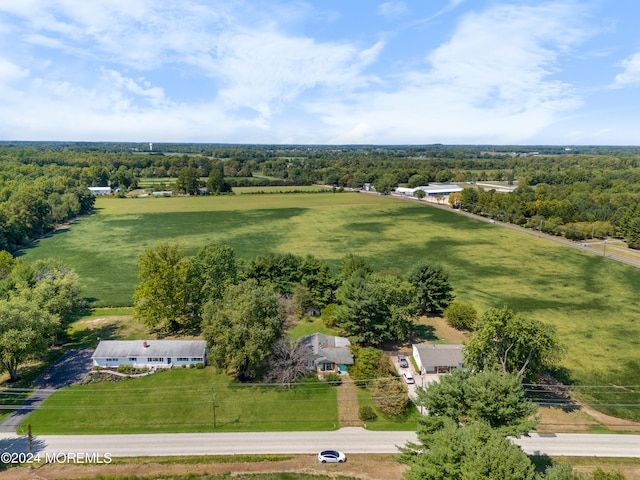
pixel 199 459
pixel 591 300
pixel 181 400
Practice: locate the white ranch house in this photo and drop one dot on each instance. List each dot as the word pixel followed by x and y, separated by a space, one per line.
pixel 437 358
pixel 149 353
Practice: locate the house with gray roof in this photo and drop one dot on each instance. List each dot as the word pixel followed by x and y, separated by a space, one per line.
pixel 327 353
pixel 149 353
pixel 437 358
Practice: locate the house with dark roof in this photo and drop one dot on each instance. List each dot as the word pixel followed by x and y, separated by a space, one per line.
pixel 437 358
pixel 149 353
pixel 327 353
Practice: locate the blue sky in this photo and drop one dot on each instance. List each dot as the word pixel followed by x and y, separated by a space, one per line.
pixel 321 72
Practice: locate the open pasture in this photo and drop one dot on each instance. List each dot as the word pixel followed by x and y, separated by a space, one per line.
pixel 590 299
pixel 182 400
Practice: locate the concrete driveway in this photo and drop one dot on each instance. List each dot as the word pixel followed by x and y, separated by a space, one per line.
pixel 71 368
pixel 422 380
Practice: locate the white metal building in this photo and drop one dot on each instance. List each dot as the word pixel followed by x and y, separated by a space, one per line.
pixel 431 190
pixel 149 353
pixel 100 190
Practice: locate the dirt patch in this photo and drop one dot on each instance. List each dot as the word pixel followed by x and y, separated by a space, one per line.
pixel 348 404
pixel 444 331
pixel 366 467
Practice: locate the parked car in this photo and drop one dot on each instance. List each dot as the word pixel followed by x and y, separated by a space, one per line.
pixel 408 378
pixel 331 456
pixel 402 361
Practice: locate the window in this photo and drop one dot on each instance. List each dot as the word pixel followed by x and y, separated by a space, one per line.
pixel 112 359
pixel 196 359
pixel 182 359
pixel 133 359
pixel 155 359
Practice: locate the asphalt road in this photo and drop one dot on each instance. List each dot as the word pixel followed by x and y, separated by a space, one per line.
pixel 349 440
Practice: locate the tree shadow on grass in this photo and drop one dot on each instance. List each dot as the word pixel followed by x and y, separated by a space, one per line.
pixel 423 333
pixel 88 338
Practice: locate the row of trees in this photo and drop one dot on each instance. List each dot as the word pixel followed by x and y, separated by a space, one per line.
pixel 36 299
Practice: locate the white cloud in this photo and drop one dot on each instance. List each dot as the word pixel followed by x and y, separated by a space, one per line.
pixel 265 70
pixel 10 72
pixel 631 73
pixel 393 9
pixel 492 82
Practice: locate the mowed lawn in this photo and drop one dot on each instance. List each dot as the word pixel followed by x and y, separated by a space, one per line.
pixel 591 300
pixel 181 400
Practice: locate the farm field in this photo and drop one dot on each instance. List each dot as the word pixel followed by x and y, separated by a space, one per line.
pixel 590 299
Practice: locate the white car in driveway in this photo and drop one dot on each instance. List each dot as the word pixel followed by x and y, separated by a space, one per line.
pixel 408 378
pixel 331 456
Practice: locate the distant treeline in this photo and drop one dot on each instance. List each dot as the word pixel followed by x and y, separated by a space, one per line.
pixel 574 191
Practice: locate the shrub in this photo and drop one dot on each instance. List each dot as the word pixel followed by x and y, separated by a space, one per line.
pixel 461 315
pixel 200 365
pixel 333 378
pixel 369 363
pixel 367 413
pixel 390 396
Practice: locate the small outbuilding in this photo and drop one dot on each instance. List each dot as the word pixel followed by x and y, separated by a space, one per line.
pixel 327 353
pixel 437 358
pixel 149 353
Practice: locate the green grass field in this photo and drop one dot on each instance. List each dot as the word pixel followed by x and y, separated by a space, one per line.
pixel 591 300
pixel 181 400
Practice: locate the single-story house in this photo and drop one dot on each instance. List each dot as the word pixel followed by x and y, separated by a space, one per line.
pixel 327 353
pixel 436 358
pixel 149 353
pixel 100 190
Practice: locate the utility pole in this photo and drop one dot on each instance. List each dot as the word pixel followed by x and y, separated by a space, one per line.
pixel 213 406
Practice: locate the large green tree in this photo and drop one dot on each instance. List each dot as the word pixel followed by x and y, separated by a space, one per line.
pixel 448 451
pixel 26 331
pixel 432 286
pixel 242 328
pixel 514 343
pixel 188 180
pixel 216 184
pixel 161 299
pixel 211 271
pixel 490 396
pixel 51 286
pixel 374 308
